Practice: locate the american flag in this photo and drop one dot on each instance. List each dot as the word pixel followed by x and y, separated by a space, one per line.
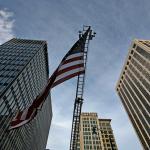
pixel 71 65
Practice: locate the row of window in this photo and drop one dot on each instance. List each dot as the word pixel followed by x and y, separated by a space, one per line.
pixel 104 124
pixel 10 71
pixel 133 102
pixel 128 101
pixel 147 43
pixel 20 95
pixel 15 44
pixel 89 122
pixel 88 119
pixel 90 147
pixel 142 86
pixel 91 137
pixel 137 125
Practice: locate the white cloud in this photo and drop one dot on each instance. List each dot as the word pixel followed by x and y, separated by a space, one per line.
pixel 6 25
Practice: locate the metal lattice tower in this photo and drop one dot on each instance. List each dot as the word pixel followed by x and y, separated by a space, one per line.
pixel 79 92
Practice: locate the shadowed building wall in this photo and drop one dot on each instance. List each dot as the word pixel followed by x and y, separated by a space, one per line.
pixel 133 88
pixel 23 74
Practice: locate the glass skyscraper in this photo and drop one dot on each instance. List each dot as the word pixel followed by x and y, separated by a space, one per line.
pixel 23 74
pixel 133 88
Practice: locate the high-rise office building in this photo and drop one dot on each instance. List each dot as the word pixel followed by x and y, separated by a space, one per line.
pixel 23 74
pixel 95 133
pixel 133 88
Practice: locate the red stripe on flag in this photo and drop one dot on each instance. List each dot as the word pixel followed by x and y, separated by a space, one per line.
pixel 18 122
pixel 67 77
pixel 19 115
pixel 70 68
pixel 14 123
pixel 30 111
pixel 73 59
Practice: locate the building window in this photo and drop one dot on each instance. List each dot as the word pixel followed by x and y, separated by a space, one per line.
pixel 134 45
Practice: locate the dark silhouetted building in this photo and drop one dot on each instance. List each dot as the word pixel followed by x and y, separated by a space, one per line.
pixel 23 74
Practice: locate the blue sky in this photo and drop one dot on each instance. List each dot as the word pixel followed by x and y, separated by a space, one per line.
pixel 116 22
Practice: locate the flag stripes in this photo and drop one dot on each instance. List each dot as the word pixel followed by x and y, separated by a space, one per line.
pixel 71 65
pixel 70 68
pixel 68 77
pixel 73 59
pixel 75 55
pixel 18 122
pixel 68 73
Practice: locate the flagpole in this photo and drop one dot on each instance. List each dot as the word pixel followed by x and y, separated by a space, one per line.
pixel 79 90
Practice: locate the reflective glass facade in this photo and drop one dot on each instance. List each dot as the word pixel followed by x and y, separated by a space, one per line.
pixel 23 74
pixel 134 89
pixel 102 140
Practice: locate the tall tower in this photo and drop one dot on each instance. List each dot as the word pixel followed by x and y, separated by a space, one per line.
pixel 102 139
pixel 133 88
pixel 23 74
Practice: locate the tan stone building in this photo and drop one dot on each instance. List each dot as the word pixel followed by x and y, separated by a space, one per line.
pixel 133 88
pixel 103 139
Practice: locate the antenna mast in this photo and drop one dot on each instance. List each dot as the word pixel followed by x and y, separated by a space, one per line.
pixel 79 93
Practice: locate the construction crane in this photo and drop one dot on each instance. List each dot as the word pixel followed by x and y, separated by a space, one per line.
pixel 79 92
